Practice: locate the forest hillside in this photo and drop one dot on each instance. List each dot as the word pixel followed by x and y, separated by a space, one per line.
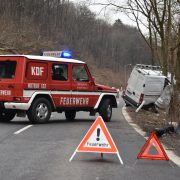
pixel 31 26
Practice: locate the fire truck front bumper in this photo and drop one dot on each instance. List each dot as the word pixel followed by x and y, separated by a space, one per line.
pixel 18 106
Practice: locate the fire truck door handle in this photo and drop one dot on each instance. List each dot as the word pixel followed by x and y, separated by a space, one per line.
pixel 11 86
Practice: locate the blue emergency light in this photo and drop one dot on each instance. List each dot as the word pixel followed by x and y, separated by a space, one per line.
pixel 66 54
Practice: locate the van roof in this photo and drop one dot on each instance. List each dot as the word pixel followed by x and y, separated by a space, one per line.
pixel 152 73
pixel 45 58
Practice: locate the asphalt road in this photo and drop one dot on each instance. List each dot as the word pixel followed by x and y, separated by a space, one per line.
pixel 42 152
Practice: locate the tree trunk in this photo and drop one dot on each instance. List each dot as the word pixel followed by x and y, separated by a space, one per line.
pixel 178 75
pixel 164 56
pixel 178 64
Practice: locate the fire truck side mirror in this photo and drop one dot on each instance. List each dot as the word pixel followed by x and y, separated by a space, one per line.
pixel 93 81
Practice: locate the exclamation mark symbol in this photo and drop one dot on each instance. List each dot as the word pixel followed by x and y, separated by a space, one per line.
pixel 98 134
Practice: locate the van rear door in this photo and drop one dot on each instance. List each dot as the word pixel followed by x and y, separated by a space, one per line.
pixel 139 88
pixel 131 83
pixel 135 86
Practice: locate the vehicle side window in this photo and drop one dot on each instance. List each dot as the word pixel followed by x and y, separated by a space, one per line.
pixel 80 73
pixel 7 69
pixel 60 72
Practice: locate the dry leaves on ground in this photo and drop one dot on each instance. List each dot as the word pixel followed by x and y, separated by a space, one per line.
pixel 149 121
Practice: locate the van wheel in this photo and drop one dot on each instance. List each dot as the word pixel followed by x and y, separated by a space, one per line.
pixel 7 115
pixel 40 111
pixel 105 110
pixel 70 115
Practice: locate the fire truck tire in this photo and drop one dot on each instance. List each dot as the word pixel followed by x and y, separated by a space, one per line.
pixel 7 115
pixel 70 115
pixel 40 111
pixel 105 110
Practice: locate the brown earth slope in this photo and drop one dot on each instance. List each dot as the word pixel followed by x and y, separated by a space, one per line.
pixel 149 121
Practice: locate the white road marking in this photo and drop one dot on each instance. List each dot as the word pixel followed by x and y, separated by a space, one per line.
pixel 172 156
pixel 23 129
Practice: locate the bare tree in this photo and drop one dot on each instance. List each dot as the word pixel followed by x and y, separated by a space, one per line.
pixel 162 20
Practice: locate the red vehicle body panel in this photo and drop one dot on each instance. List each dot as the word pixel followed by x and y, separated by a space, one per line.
pixel 35 76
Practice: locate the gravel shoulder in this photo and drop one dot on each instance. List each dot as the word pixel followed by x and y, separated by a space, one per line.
pixel 149 121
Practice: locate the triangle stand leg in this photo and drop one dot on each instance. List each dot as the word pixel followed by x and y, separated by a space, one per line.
pixel 119 158
pixel 72 156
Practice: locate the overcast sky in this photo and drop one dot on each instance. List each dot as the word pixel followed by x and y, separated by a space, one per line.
pixel 109 13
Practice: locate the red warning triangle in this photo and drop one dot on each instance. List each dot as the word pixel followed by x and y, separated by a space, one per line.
pixel 97 139
pixel 153 142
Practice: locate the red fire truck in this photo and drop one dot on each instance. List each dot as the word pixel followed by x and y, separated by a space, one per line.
pixel 40 85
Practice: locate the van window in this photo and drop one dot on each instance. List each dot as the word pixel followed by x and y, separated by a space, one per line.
pixel 80 73
pixel 7 69
pixel 60 72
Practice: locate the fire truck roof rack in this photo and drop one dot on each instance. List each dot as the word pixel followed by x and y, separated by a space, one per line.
pixel 148 67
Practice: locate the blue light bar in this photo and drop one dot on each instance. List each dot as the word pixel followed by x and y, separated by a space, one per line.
pixel 66 54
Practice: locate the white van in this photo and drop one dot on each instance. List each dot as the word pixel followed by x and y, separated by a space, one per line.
pixel 145 84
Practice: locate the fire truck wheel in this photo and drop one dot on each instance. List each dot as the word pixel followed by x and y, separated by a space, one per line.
pixel 40 111
pixel 105 110
pixel 6 115
pixel 70 115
